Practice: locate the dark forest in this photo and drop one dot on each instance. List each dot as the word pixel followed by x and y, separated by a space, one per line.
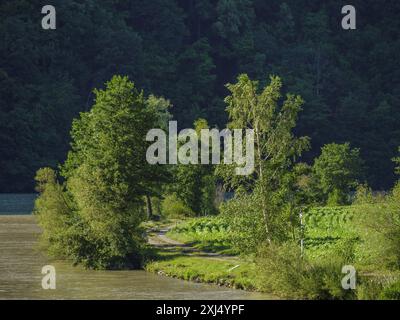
pixel 186 51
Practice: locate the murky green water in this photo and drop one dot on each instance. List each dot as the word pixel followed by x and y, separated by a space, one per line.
pixel 21 264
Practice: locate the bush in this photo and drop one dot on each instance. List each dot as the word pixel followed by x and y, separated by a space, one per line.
pixel 172 207
pixel 244 215
pixel 379 227
pixel 363 195
pixel 52 212
pixel 335 198
pixel 67 234
pixel 284 271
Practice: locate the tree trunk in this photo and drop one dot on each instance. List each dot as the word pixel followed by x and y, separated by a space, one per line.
pixel 149 208
pixel 265 214
pixel 264 205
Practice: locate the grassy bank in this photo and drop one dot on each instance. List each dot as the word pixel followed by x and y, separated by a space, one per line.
pixel 203 256
pixel 233 273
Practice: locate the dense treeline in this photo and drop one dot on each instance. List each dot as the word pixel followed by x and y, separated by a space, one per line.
pixel 186 51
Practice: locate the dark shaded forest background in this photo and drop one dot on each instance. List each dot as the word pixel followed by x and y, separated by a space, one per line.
pixel 186 51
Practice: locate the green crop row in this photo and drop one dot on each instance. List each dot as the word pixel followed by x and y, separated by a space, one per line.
pixel 203 225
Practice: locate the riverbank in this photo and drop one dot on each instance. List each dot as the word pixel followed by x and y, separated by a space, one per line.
pixel 233 273
pixel 21 263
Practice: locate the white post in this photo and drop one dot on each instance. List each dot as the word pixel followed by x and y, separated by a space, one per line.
pixel 301 233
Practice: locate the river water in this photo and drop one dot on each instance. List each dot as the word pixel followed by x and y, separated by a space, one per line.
pixel 21 263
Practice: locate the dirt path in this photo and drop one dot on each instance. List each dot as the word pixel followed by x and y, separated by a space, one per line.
pixel 157 237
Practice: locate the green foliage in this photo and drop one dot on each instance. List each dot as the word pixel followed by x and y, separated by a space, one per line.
pixel 284 271
pixel 378 288
pixel 363 195
pixel 67 234
pixel 379 227
pixel 206 233
pixel 53 213
pixel 246 227
pixel 330 231
pixel 369 289
pixel 172 207
pixel 200 269
pixel 106 178
pixel 48 78
pixel 213 224
pixel 195 184
pixel 160 107
pixel 187 51
pixel 276 148
pixel 336 197
pixel 337 170
pixel 329 221
pixel 391 292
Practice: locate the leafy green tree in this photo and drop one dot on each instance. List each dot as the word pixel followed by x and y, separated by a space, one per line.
pixel 107 176
pixel 337 170
pixel 275 145
pixel 195 184
pixel 160 108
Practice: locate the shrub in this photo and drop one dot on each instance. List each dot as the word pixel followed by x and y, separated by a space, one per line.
pixel 284 271
pixel 363 195
pixel 246 230
pixel 379 227
pixel 172 207
pixel 69 235
pixel 335 198
pixel 52 212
